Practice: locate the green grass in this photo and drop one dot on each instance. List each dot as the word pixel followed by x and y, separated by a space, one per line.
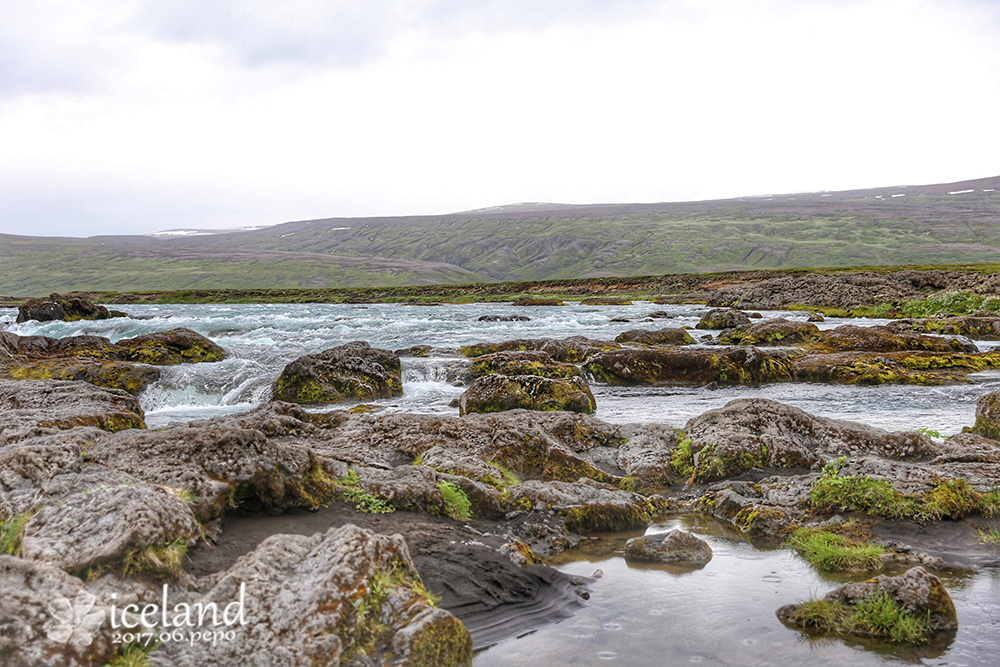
pixel 456 503
pixel 990 536
pixel 948 498
pixel 133 655
pixel 158 561
pixel 835 553
pixel 12 532
pixel 364 500
pixel 878 616
pixel 942 303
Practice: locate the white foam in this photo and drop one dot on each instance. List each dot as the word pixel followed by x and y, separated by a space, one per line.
pixel 961 192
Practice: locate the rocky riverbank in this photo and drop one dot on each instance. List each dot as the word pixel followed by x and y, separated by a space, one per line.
pixel 299 510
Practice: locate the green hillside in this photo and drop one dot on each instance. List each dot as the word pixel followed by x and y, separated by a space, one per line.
pixel 895 225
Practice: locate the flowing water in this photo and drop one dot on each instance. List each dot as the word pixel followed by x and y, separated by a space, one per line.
pixel 722 614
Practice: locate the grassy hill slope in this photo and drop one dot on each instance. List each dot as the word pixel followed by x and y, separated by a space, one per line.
pixel 895 225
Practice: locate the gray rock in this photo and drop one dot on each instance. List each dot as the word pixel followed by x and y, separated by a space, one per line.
pixel 106 525
pixel 30 408
pixel 587 505
pixel 723 318
pixel 675 546
pixel 50 619
pixel 313 600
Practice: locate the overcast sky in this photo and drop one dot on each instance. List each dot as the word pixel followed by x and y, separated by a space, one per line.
pixel 141 116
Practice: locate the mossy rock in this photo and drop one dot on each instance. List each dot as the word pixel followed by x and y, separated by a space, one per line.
pixel 605 301
pixel 920 368
pixel 68 308
pixel 355 371
pixel 988 415
pixel 574 349
pixel 538 302
pixel 177 346
pixel 887 339
pixel 522 363
pixel 497 393
pixel 657 337
pixel 778 331
pixel 109 374
pixel 742 365
pixel 723 318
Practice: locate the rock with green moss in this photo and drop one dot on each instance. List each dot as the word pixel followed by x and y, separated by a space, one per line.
pixel 723 318
pixel 605 301
pixel 913 607
pixel 920 368
pixel 133 526
pixel 34 636
pixel 537 302
pixel 94 359
pixel 588 505
pixel 177 346
pixel 352 372
pixel 666 336
pixel 988 415
pixel 761 433
pixel 978 326
pixel 342 597
pixel 58 307
pixel 31 408
pixel 777 331
pixel 675 547
pixel 742 365
pixel 574 349
pixel 850 337
pixel 497 393
pixel 522 363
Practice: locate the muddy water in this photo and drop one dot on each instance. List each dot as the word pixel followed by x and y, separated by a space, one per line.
pixel 723 613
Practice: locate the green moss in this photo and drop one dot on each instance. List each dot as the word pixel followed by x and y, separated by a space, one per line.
pixel 135 654
pixel 317 488
pixel 682 459
pixel 948 498
pixel 878 615
pixel 456 503
pixel 12 531
pixel 606 517
pixel 835 553
pixel 350 489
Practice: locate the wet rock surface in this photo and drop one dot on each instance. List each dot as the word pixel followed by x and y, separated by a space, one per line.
pixel 656 337
pixel 723 318
pixel 497 393
pixel 675 546
pixel 777 331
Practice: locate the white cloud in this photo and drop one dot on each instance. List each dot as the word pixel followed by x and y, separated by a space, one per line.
pixel 233 114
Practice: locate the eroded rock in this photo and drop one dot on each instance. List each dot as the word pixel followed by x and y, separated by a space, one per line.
pixel 355 371
pixel 675 546
pixel 497 393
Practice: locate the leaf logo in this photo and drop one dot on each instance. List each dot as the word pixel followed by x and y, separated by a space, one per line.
pixel 74 621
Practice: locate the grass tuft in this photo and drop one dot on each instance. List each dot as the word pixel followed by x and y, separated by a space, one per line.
pixel 456 503
pixel 835 553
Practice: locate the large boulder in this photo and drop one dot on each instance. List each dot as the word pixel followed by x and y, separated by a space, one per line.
pixel 741 365
pixel 355 371
pixel 59 307
pixel 33 407
pixel 978 326
pixel 658 337
pixel 346 595
pixel 723 318
pixel 675 547
pixel 758 433
pixel 177 346
pixel 778 331
pixel 497 393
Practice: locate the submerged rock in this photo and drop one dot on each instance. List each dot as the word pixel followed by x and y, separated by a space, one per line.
pixel 355 371
pixel 675 546
pixel 67 308
pixel 497 393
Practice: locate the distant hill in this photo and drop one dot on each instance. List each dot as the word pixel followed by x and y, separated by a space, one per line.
pixel 944 223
